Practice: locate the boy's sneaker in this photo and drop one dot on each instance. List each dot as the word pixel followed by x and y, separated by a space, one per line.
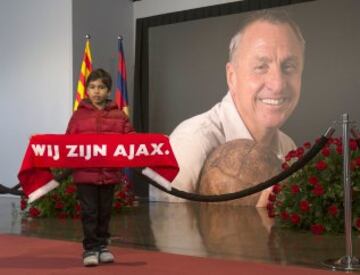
pixel 106 256
pixel 91 258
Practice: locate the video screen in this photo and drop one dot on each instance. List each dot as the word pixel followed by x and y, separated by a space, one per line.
pixel 276 93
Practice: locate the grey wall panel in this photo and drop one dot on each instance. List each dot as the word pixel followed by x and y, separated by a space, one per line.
pixel 35 75
pixel 104 21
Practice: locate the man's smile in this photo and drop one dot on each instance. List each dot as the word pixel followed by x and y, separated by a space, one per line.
pixel 273 101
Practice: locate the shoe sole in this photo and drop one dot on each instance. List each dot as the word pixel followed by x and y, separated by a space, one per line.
pixel 106 262
pixel 91 265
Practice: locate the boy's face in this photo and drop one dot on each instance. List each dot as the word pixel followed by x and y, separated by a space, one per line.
pixel 98 93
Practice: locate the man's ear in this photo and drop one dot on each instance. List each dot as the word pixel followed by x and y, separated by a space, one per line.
pixel 230 76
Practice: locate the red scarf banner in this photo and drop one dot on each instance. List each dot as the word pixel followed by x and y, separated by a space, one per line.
pixel 92 150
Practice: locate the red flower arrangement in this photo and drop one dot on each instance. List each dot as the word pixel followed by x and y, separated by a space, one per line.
pixel 312 198
pixel 61 202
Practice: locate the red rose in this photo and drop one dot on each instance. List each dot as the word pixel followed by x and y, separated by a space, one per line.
pixel 318 190
pixel 77 207
pixel 353 165
pixel 270 206
pixel 287 157
pixel 337 141
pixel 304 206
pixel 121 195
pixel 307 145
pixel 339 149
pixel 284 166
pixel 117 205
pixel 325 151
pixel 285 215
pixel 59 205
pixel 330 141
pixel 276 188
pixel 313 180
pixel 295 218
pixel 34 212
pixel 70 189
pixel 317 229
pixel 271 214
pixel 300 152
pixel 270 209
pixel 295 189
pixel 272 197
pixel 23 204
pixel 290 155
pixel 55 197
pixel 357 223
pixel 353 145
pixel 357 161
pixel 333 210
pixel 321 165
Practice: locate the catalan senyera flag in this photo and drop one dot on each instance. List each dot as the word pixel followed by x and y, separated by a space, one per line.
pixel 121 96
pixel 85 70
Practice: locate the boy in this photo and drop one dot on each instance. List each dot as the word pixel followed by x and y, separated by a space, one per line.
pixel 95 186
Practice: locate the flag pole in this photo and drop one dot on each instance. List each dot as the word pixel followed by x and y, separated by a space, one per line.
pixel 85 70
pixel 121 96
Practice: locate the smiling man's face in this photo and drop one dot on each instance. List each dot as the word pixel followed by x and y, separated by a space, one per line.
pixel 264 77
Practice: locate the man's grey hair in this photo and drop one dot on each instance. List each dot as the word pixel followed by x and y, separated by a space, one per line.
pixel 271 16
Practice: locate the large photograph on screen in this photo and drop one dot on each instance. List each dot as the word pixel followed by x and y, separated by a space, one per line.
pixel 233 113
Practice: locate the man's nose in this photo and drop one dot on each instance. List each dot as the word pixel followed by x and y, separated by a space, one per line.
pixel 276 80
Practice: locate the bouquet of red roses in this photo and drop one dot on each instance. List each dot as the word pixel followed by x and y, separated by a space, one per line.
pixel 312 198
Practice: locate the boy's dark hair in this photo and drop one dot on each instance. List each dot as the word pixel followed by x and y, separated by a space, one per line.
pixel 99 74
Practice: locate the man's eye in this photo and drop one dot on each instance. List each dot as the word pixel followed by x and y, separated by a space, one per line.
pixel 261 68
pixel 289 68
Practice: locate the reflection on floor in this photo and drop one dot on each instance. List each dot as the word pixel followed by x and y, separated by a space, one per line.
pixel 206 230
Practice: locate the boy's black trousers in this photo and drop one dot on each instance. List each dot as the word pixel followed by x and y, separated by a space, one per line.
pixel 95 210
